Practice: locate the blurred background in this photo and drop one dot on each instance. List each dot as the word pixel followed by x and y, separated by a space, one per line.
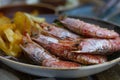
pixel 104 9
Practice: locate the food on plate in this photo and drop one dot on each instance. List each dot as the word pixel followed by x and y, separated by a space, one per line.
pixel 10 38
pixel 99 46
pixel 63 49
pixel 11 32
pixel 25 22
pixel 58 32
pixel 74 44
pixel 42 56
pixel 87 29
pixel 4 20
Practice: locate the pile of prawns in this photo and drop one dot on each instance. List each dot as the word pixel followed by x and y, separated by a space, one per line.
pixel 76 43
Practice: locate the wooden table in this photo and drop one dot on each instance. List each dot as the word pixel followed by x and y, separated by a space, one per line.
pixel 6 73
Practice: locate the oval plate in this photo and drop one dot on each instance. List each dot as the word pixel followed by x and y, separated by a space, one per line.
pixel 65 72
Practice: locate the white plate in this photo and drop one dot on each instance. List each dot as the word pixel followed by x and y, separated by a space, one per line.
pixel 74 72
pixel 57 72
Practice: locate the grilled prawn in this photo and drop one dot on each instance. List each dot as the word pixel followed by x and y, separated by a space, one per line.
pixel 58 32
pixel 87 29
pixel 99 46
pixel 63 49
pixel 41 56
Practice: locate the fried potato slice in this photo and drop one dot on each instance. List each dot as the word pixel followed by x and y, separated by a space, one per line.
pixel 10 38
pixel 25 22
pixel 11 32
pixel 22 22
pixel 4 20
